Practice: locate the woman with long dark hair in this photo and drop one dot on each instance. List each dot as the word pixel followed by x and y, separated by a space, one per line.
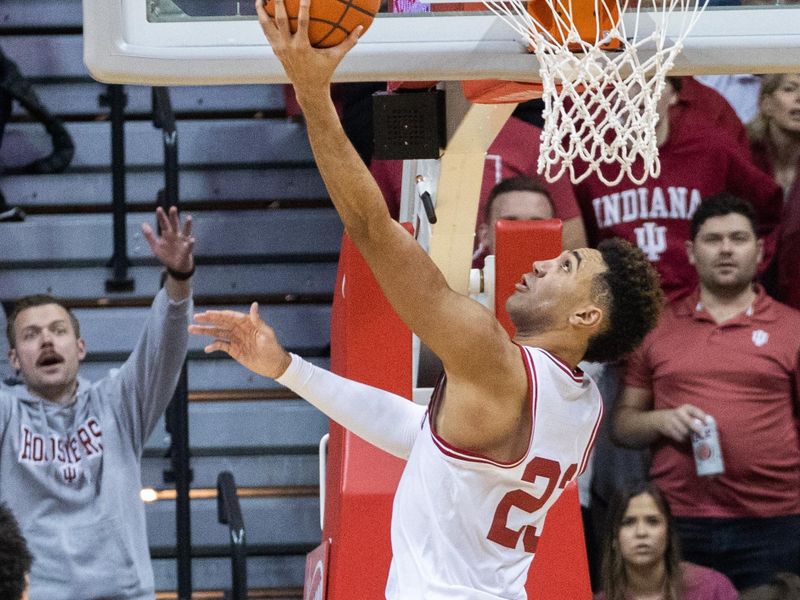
pixel 642 558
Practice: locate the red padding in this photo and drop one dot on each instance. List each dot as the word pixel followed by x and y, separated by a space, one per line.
pixel 370 344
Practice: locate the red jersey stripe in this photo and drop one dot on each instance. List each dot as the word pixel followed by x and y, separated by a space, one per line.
pixel 466 455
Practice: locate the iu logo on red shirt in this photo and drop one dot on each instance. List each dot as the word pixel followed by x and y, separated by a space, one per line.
pixel 652 240
pixel 760 337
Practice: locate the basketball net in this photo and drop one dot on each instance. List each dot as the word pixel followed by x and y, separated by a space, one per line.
pixel 602 76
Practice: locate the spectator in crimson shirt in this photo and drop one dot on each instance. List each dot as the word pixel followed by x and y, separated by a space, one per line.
pixel 698 159
pixel 693 95
pixel 519 198
pixel 731 352
pixel 642 556
pixel 515 151
pixel 704 150
pixel 775 142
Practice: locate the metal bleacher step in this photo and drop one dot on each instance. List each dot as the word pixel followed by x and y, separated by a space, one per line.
pixel 304 234
pixel 225 187
pixel 265 283
pixel 251 470
pixel 43 53
pixel 79 99
pixel 277 577
pixel 209 142
pixel 302 328
pixel 252 594
pixel 262 427
pixel 274 525
pixel 40 14
pixel 212 376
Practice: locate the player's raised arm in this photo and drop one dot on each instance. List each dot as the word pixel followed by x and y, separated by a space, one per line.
pixel 383 419
pixel 461 332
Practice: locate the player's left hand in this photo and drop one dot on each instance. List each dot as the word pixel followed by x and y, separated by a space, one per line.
pixel 309 68
pixel 246 338
pixel 174 246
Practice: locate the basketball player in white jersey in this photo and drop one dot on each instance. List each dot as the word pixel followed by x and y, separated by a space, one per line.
pixel 511 423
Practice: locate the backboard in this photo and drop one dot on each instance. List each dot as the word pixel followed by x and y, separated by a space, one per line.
pixel 191 42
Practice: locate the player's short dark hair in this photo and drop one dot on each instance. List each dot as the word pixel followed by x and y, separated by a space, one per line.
pixel 15 559
pixel 518 183
pixel 719 205
pixel 27 302
pixel 630 291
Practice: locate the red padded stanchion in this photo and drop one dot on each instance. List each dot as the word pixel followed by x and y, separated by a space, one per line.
pixel 370 344
pixel 517 245
pixel 560 570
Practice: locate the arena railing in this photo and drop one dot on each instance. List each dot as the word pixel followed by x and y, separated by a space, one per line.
pixel 230 513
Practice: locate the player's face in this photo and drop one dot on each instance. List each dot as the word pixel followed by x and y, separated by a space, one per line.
pixel 549 296
pixel 519 205
pixel 47 352
pixel 642 536
pixel 782 106
pixel 725 253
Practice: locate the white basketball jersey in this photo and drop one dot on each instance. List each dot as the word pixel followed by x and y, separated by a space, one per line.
pixel 465 527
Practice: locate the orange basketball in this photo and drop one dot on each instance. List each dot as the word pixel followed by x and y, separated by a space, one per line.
pixel 330 21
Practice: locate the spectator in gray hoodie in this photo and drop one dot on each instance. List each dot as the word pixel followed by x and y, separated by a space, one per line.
pixel 70 450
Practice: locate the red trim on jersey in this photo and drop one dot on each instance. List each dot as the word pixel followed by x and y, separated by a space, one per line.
pixel 592 440
pixel 466 455
pixel 576 376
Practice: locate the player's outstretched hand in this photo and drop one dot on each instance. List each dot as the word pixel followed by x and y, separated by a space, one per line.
pixel 174 246
pixel 245 337
pixel 677 423
pixel 310 69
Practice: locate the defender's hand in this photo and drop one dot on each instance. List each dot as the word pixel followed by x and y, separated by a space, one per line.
pixel 246 338
pixel 173 247
pixel 309 69
pixel 677 423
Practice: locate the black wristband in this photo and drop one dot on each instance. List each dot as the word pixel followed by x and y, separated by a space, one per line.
pixel 180 276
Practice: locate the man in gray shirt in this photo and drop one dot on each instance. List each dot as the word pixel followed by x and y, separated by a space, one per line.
pixel 70 450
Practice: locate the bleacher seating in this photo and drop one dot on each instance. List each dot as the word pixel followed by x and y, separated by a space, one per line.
pixel 266 231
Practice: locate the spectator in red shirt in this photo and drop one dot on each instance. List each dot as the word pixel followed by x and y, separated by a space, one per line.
pixel 694 95
pixel 698 159
pixel 515 151
pixel 642 557
pixel 517 198
pixel 775 143
pixel 729 351
pixel 703 150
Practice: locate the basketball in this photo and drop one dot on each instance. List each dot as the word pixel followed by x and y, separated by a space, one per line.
pixel 330 21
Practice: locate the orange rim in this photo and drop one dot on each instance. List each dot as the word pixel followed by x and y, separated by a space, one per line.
pixel 583 18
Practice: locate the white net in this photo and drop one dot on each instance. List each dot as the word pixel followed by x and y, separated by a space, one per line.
pixel 602 106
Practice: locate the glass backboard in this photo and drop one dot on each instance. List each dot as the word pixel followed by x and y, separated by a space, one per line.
pixel 191 42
